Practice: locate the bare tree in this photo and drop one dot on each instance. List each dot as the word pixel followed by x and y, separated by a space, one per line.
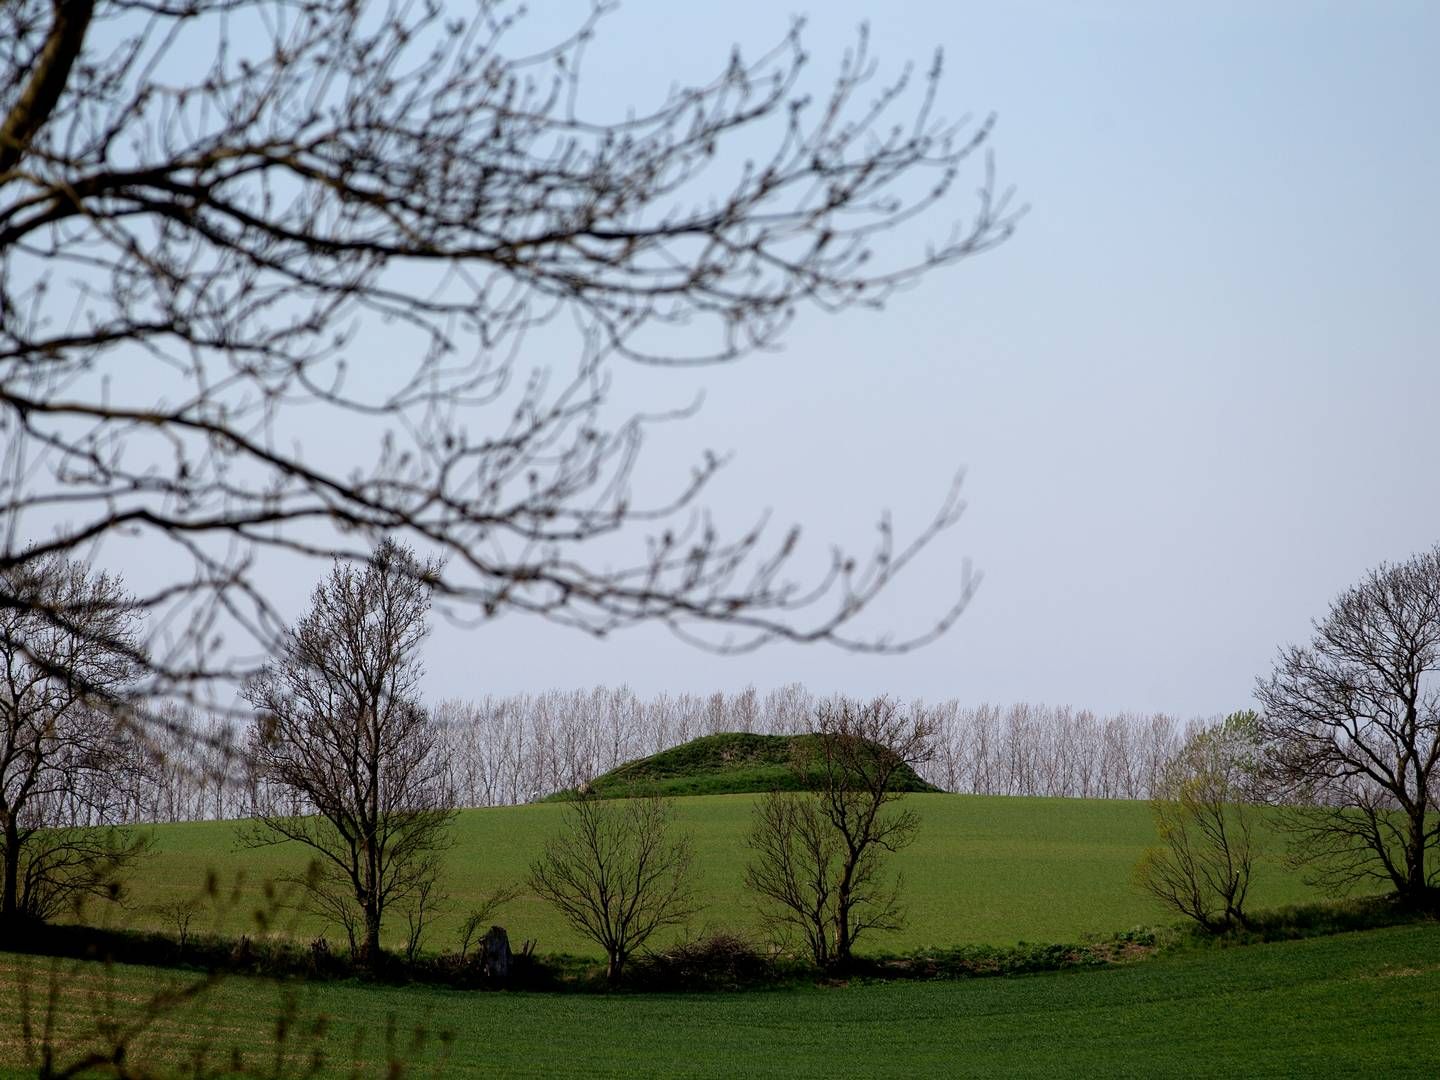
pixel 1204 862
pixel 616 873
pixel 1352 725
pixel 254 205
pixel 793 871
pixel 818 856
pixel 347 760
pixel 66 658
pixel 508 749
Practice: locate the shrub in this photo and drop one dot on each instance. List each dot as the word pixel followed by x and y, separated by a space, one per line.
pixel 715 960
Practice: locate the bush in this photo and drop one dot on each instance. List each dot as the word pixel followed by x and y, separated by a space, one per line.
pixel 973 961
pixel 1319 919
pixel 716 960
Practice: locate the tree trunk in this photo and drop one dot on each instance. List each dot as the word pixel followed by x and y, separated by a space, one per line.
pixel 613 968
pixel 371 950
pixel 842 922
pixel 9 892
pixel 1416 891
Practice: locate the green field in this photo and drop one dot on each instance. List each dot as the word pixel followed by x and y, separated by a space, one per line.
pixel 1351 1005
pixel 989 870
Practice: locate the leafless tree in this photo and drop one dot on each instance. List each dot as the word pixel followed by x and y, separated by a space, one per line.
pixel 617 874
pixel 346 759
pixel 1352 725
pixel 66 647
pixel 818 857
pixel 242 239
pixel 1203 865
pixel 793 871
pixel 504 749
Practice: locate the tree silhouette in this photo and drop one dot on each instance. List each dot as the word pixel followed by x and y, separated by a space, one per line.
pixel 347 761
pixel 1352 727
pixel 240 238
pixel 65 756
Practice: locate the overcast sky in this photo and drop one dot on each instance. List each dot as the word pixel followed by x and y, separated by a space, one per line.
pixel 1193 395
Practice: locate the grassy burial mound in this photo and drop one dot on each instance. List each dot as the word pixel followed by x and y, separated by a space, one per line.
pixel 728 764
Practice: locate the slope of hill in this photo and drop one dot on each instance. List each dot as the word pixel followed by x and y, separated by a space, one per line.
pixel 984 869
pixel 728 764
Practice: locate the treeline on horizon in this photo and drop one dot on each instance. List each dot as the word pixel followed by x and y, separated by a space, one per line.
pixel 507 750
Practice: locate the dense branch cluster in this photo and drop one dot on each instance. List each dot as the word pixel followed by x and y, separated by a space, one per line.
pixel 343 756
pixel 67 759
pixel 1205 816
pixel 273 272
pixel 817 865
pixel 616 873
pixel 1352 727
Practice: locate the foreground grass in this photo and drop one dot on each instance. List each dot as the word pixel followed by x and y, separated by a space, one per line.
pixel 984 870
pixel 1350 1005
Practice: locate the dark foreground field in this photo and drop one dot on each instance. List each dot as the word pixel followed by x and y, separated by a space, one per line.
pixel 1359 1004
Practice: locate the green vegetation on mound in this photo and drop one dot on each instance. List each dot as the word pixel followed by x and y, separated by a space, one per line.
pixel 1287 1009
pixel 726 764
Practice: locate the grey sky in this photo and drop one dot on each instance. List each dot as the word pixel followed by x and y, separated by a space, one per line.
pixel 1192 394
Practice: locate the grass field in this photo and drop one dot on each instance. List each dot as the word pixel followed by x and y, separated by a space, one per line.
pixel 1350 1005
pixel 989 870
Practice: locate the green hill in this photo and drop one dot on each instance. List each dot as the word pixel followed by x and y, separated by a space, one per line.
pixel 983 870
pixel 728 764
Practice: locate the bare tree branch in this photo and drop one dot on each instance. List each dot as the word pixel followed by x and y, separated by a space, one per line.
pixel 346 760
pixel 1205 860
pixel 818 856
pixel 616 873
pixel 67 755
pixel 373 225
pixel 1352 724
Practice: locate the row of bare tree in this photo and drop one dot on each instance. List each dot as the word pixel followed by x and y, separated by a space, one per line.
pixel 504 750
pixel 510 749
